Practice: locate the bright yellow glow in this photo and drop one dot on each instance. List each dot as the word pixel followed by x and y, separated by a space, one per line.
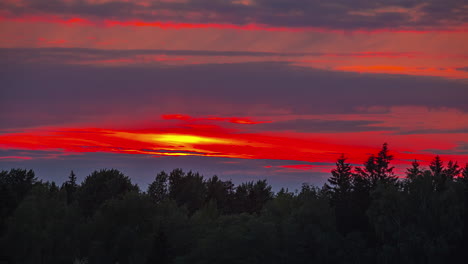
pixel 174 139
pixel 187 139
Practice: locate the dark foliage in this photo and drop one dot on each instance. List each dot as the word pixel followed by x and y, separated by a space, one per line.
pixel 362 215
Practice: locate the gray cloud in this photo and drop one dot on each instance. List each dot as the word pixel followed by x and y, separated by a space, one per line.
pixel 63 55
pixel 335 14
pixel 433 131
pixel 460 149
pixel 54 94
pixel 319 126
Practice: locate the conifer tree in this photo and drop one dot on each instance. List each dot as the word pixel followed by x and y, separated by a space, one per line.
pixel 437 166
pixel 377 169
pixel 71 187
pixel 341 187
pixel 439 173
pixel 341 179
pixel 452 171
pixel 415 171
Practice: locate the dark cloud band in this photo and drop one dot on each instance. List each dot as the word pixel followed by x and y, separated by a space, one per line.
pixel 335 14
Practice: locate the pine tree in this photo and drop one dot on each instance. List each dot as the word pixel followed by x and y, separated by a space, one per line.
pixel 377 169
pixel 70 187
pixel 452 171
pixel 341 179
pixel 415 171
pixel 438 173
pixel 72 178
pixel 384 170
pixel 341 187
pixel 437 166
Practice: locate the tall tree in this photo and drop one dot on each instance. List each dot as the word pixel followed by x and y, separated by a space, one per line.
pixel 436 166
pixel 441 175
pixel 70 187
pixel 221 192
pixel 101 186
pixel 187 189
pixel 341 187
pixel 341 179
pixel 415 171
pixel 158 189
pixel 452 171
pixel 250 197
pixel 377 169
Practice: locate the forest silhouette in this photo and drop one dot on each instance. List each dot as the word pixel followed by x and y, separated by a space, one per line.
pixel 363 214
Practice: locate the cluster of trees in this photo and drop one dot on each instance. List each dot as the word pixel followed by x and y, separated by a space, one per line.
pixel 362 215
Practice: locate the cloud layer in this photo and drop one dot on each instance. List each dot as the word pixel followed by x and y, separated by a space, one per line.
pixel 336 14
pixel 242 88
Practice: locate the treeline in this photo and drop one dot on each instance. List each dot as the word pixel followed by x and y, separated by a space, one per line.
pixel 362 215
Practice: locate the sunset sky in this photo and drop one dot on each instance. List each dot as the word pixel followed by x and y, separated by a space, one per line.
pixel 245 89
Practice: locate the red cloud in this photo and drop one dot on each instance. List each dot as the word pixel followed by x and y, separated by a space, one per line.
pixel 176 25
pixel 211 142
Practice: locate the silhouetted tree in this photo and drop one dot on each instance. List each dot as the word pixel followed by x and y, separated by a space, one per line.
pixel 366 216
pixel 341 179
pixel 437 166
pixel 187 189
pixel 377 168
pixel 251 197
pixel 463 180
pixel 341 187
pixel 221 192
pixel 158 189
pixel 464 173
pixel 440 177
pixel 14 186
pixel 431 218
pixel 452 171
pixel 415 171
pixel 122 230
pixel 101 186
pixel 70 187
pixel 376 172
pixel 39 229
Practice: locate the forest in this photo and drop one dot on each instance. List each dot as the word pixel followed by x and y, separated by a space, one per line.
pixel 363 214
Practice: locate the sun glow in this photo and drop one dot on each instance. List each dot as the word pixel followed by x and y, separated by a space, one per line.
pixel 171 138
pixel 187 139
pixel 199 136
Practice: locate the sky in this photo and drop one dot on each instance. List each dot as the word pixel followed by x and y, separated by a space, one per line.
pixel 244 89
